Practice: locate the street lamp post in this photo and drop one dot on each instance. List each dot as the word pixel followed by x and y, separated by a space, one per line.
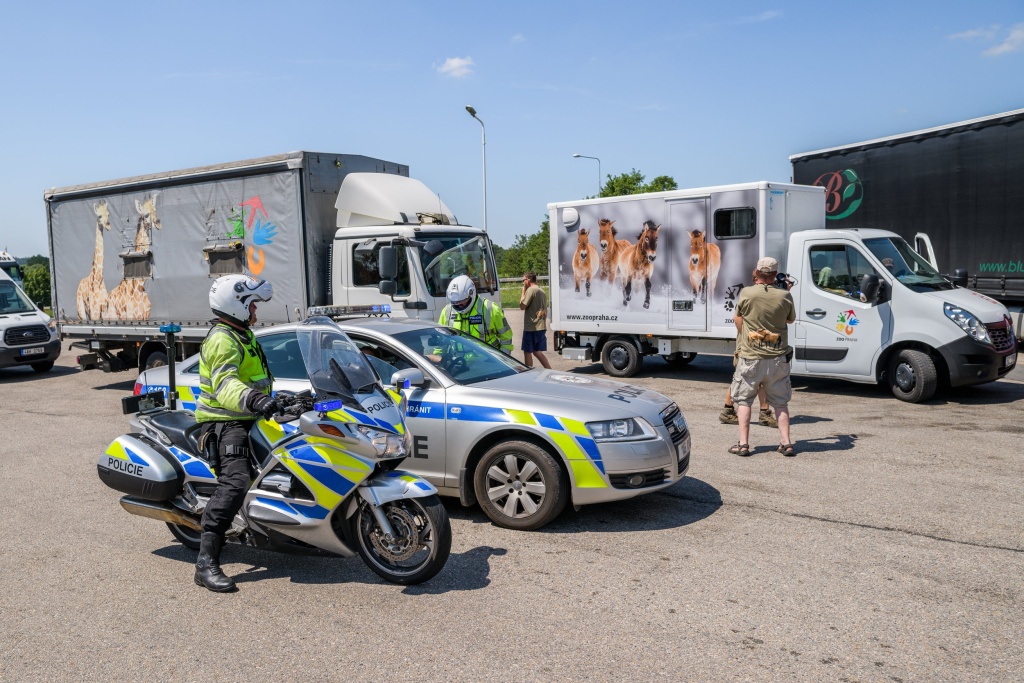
pixel 584 156
pixel 483 145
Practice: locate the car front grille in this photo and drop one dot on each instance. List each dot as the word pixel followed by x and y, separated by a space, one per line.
pixel 27 334
pixel 669 418
pixel 1002 337
pixel 639 480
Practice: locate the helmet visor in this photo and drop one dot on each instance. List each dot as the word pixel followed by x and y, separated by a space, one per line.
pixel 462 305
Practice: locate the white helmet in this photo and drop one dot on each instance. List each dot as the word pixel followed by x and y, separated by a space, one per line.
pixel 462 293
pixel 231 295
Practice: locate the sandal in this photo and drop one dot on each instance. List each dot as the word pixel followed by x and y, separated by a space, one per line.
pixel 787 449
pixel 740 449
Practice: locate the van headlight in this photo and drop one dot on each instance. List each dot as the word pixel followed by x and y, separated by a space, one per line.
pixel 386 444
pixel 628 429
pixel 52 324
pixel 966 321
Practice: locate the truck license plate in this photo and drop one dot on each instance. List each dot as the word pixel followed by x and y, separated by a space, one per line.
pixel 32 352
pixel 1010 360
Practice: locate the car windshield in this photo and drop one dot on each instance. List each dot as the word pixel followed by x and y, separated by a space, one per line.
pixel 13 300
pixel 464 359
pixel 906 264
pixel 462 255
pixel 333 362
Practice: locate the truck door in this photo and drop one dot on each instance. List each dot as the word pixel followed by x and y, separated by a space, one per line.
pixel 361 259
pixel 688 222
pixel 836 334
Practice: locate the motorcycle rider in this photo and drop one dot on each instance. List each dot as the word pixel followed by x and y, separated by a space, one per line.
pixel 475 316
pixel 235 384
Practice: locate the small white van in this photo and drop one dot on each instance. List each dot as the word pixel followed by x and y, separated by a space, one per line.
pixel 27 335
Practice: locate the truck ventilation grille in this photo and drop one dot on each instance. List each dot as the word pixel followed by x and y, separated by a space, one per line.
pixel 28 334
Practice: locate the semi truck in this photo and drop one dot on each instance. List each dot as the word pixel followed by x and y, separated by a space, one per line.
pixel 132 255
pixel 953 192
pixel 661 273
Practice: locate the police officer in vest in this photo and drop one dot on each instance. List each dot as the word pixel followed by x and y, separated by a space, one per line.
pixel 235 384
pixel 475 316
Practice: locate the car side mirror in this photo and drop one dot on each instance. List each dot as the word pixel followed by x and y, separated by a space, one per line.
pixel 410 377
pixel 870 287
pixel 960 277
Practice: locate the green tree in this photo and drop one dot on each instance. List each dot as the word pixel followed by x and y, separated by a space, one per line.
pixel 38 260
pixel 528 252
pixel 633 183
pixel 37 284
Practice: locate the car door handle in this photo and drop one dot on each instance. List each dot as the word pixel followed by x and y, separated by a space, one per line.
pixel 816 313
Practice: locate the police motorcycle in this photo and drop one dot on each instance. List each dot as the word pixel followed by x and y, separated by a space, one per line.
pixel 325 470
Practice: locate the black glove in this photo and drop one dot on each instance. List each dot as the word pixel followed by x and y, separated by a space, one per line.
pixel 261 404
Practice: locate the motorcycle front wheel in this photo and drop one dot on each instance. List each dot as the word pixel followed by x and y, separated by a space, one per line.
pixel 423 539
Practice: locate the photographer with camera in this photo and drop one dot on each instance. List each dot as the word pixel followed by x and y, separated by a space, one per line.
pixel 763 312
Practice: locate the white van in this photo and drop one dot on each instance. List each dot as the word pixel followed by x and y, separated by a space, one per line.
pixel 27 335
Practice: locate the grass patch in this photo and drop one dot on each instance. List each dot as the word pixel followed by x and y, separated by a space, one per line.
pixel 510 294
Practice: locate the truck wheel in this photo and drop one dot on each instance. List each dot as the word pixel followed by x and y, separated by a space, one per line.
pixel 157 359
pixel 680 359
pixel 520 486
pixel 45 366
pixel 912 376
pixel 620 358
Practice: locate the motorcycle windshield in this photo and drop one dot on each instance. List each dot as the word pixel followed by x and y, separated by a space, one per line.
pixel 334 364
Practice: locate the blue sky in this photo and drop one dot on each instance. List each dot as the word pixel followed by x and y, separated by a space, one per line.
pixel 709 93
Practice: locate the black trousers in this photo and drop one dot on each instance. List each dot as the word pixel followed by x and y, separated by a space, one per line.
pixel 233 474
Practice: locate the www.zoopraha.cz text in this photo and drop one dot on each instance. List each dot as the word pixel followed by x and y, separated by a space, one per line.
pixel 599 316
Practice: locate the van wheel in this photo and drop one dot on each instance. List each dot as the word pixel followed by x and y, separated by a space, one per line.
pixel 912 376
pixel 620 358
pixel 520 486
pixel 680 359
pixel 45 366
pixel 157 359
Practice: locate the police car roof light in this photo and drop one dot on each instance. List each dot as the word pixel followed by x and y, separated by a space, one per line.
pixel 339 311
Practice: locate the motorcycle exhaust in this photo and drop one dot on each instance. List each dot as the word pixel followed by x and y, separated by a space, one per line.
pixel 159 511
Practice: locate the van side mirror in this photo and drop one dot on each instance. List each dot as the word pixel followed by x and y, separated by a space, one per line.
pixel 960 277
pixel 410 377
pixel 870 287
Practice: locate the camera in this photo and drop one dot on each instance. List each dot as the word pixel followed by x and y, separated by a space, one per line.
pixel 783 281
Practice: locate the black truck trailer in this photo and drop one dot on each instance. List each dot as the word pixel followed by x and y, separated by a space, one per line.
pixel 955 192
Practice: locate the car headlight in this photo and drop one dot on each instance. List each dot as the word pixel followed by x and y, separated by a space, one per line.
pixel 386 444
pixel 966 321
pixel 628 429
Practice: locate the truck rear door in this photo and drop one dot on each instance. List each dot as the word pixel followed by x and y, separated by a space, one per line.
pixel 836 334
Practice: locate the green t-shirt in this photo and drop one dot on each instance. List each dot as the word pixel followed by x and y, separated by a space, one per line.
pixel 536 311
pixel 765 311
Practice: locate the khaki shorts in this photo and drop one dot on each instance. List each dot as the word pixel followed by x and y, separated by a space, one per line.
pixel 771 373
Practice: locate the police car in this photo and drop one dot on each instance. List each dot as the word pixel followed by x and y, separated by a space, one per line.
pixel 521 443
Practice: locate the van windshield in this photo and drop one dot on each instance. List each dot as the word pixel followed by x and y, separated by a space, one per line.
pixel 906 264
pixel 13 300
pixel 462 255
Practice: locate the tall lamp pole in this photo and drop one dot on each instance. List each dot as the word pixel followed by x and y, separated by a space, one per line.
pixel 584 156
pixel 483 145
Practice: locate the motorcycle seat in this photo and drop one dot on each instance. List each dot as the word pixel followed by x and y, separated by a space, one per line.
pixel 181 428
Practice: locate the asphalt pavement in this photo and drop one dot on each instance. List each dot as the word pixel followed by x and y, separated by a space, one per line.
pixel 889 549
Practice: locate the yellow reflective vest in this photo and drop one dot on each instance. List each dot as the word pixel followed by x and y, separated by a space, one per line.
pixel 484 320
pixel 231 366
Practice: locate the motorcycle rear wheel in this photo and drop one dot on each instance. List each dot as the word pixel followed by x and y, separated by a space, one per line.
pixel 188 537
pixel 424 539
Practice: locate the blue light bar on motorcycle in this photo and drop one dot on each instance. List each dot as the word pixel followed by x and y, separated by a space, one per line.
pixel 326 406
pixel 171 328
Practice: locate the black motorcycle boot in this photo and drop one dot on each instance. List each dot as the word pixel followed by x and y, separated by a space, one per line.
pixel 208 571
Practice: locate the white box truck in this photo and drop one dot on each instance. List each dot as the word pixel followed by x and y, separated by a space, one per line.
pixel 661 273
pixel 131 255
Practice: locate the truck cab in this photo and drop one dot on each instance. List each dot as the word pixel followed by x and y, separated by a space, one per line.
pixel 871 309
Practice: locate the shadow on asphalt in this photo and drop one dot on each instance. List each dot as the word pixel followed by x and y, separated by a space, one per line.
pixel 27 374
pixel 125 385
pixel 462 572
pixel 718 370
pixel 685 502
